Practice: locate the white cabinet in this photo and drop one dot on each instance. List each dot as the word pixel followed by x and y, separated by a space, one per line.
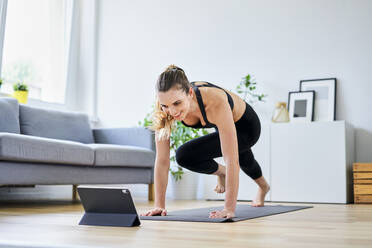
pixel 311 162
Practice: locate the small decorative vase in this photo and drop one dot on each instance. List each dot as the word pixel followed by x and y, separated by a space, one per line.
pixel 280 113
pixel 21 96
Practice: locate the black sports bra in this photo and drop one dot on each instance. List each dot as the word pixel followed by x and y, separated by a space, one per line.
pixel 201 105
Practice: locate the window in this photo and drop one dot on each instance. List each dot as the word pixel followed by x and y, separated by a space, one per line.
pixel 35 48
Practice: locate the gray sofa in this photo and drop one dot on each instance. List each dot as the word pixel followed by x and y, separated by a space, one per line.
pixel 48 147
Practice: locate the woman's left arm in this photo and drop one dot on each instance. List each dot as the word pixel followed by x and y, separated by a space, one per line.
pixel 223 118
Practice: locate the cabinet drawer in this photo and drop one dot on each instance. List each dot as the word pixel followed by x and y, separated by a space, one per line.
pixel 363 198
pixel 362 167
pixel 362 181
pixel 362 175
pixel 360 189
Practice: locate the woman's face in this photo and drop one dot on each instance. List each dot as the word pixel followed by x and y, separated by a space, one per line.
pixel 175 102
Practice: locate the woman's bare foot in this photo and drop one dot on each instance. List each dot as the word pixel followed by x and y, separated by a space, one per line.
pixel 260 198
pixel 221 177
pixel 220 188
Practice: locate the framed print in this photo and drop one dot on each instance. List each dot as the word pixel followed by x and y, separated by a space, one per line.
pixel 301 106
pixel 325 97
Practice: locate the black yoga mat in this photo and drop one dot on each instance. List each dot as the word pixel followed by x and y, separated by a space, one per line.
pixel 242 212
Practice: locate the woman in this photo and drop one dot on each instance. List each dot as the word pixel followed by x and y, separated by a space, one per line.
pixel 204 105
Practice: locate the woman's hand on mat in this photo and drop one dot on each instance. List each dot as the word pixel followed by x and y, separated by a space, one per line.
pixel 222 214
pixel 155 211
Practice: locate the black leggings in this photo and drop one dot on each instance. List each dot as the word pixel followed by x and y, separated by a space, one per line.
pixel 198 154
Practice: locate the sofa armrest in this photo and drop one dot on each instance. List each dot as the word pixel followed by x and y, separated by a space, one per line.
pixel 134 136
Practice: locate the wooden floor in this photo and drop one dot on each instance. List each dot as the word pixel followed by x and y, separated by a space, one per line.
pixel 55 224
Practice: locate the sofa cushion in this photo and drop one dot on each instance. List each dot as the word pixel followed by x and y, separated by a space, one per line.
pixel 119 155
pixel 55 124
pixel 9 115
pixel 18 147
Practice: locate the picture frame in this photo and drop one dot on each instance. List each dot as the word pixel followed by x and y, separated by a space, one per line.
pixel 325 97
pixel 301 106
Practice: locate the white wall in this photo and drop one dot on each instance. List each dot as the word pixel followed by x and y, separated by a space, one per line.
pixel 279 42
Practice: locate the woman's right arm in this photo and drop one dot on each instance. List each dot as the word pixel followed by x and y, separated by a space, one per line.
pixel 162 163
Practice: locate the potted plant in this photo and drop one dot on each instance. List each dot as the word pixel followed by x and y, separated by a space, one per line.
pixel 246 89
pixel 20 92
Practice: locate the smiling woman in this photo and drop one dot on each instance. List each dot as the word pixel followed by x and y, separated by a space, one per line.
pixel 205 105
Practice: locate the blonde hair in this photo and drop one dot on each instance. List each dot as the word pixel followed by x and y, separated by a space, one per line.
pixel 162 123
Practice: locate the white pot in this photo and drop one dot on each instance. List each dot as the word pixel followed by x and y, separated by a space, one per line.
pixel 184 189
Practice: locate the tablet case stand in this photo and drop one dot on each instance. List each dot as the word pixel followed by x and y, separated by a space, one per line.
pixel 102 219
pixel 108 206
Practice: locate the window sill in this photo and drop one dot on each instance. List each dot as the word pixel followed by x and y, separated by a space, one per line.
pixel 38 103
pixel 4 94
